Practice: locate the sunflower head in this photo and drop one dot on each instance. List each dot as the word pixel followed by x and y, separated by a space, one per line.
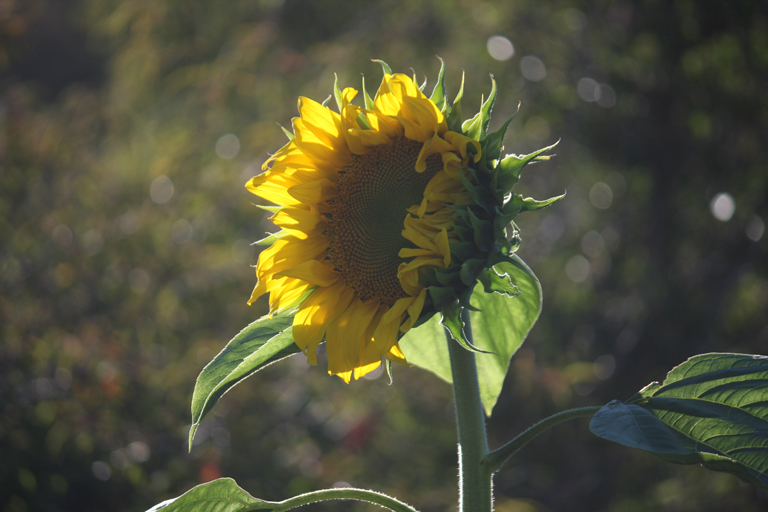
pixel 390 211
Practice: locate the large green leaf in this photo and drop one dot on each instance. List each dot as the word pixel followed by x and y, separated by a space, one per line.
pixel 264 342
pixel 222 495
pixel 500 327
pixel 711 410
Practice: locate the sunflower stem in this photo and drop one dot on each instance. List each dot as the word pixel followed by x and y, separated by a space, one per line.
pixel 475 484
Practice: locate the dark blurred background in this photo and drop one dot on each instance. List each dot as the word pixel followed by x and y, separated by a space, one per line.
pixel 130 127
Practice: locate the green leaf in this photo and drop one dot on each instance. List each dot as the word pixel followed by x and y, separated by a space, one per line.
pixel 500 327
pixel 438 94
pixel 262 343
pixel 222 495
pixel 711 410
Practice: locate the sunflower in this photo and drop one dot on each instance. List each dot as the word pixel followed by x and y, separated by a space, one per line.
pixel 373 208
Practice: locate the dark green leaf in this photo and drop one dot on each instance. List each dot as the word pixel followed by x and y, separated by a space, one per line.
pixel 264 342
pixel 711 410
pixel 222 495
pixel 500 327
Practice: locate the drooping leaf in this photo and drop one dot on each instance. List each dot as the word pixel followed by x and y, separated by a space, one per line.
pixel 262 343
pixel 500 327
pixel 222 495
pixel 711 410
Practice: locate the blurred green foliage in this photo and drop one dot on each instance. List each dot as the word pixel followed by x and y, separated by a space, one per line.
pixel 130 127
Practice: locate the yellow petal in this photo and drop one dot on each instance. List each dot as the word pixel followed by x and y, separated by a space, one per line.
pixel 313 191
pixel 313 272
pixel 324 122
pixel 346 335
pixel 396 355
pixel 315 315
pixel 289 252
pixel 299 222
pixel 414 310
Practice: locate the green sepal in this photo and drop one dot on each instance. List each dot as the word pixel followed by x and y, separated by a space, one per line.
pixel 464 298
pixel 438 94
pixel 470 269
pixel 476 127
pixel 483 231
pixel 462 251
pixel 423 84
pixel 493 282
pixel 272 209
pixel 362 122
pixel 286 131
pixel 510 167
pixel 384 66
pixel 449 277
pixel 451 320
pixel 466 234
pixel 441 296
pixel 271 238
pixel 481 195
pixel 327 100
pixel 337 91
pixel 492 145
pixel 388 369
pixel 367 97
pixel 454 116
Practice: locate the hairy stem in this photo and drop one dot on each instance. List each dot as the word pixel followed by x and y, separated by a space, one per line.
pixel 474 476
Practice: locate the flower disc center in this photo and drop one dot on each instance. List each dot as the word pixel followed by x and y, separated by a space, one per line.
pixel 366 224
